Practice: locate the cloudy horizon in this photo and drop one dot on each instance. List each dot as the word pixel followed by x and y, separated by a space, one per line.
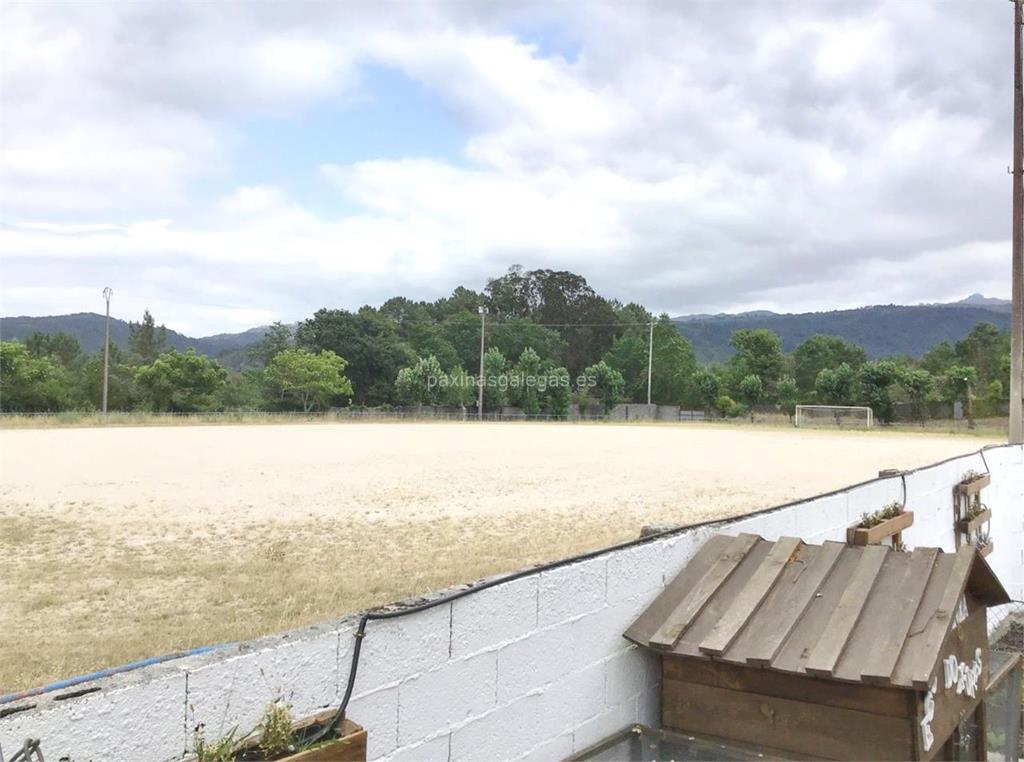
pixel 229 165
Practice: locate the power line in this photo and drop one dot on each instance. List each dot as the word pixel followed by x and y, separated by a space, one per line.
pixel 577 325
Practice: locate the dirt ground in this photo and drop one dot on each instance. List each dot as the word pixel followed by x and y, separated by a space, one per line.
pixel 121 543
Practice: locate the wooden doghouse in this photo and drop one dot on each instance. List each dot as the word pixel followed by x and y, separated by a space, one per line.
pixel 828 651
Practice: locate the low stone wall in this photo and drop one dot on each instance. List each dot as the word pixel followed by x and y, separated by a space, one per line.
pixel 532 668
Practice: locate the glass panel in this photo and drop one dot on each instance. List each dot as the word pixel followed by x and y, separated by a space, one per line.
pixel 1003 718
pixel 643 744
pixel 965 739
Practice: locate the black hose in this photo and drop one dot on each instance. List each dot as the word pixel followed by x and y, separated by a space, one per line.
pixel 378 615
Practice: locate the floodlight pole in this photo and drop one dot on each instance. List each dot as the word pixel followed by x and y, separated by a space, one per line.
pixel 107 293
pixel 480 381
pixel 650 361
pixel 1017 290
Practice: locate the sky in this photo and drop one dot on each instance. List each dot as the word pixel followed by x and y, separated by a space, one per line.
pixel 226 165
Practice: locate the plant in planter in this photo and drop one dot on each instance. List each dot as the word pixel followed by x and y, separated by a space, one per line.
pixel 970 514
pixel 276 735
pixel 975 509
pixel 869 520
pixel 221 750
pixel 873 528
pixel 983 541
pixel 279 737
pixel 972 482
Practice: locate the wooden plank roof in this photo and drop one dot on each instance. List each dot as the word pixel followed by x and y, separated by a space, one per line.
pixel 855 614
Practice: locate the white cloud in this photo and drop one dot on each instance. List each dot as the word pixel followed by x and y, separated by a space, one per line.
pixel 693 157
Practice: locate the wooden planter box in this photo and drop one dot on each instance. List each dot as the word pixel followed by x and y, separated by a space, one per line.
pixel 348 745
pixel 968 527
pixel 875 535
pixel 974 486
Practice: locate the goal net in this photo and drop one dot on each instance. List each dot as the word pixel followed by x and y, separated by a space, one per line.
pixel 833 415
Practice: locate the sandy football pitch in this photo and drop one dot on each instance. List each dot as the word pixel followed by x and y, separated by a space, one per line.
pixel 121 543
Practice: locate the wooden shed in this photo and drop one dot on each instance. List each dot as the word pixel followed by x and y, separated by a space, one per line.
pixel 828 651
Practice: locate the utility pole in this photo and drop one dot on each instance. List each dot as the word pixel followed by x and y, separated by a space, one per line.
pixel 1017 291
pixel 107 293
pixel 650 361
pixel 480 381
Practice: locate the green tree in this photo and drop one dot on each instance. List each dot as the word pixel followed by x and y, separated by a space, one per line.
pixel 145 340
pixel 122 392
pixel 751 391
pixel 277 339
pixel 835 386
pixel 181 382
pixel 959 383
pixel 462 388
pixel 60 346
pixel 938 358
pixel 876 380
pixel 245 390
pixel 707 388
pixel 993 397
pixel 561 300
pixel 463 300
pixel 672 369
pixel 956 381
pixel 369 342
pixel 982 349
pixel 918 385
pixel 530 380
pixel 758 353
pixel 628 355
pixel 462 332
pixel 517 335
pixel 789 395
pixel 31 384
pixel 820 352
pixel 495 379
pixel 421 384
pixel 604 383
pixel 558 393
pixel 310 379
pixel 729 407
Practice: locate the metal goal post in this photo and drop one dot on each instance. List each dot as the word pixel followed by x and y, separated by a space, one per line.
pixel 834 415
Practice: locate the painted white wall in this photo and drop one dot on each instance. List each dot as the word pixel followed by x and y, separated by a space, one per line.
pixel 534 668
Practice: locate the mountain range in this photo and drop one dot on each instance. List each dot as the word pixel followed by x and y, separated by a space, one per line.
pixel 88 328
pixel 883 330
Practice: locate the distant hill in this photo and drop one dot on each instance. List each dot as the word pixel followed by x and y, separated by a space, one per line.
pixel 978 300
pixel 883 330
pixel 88 328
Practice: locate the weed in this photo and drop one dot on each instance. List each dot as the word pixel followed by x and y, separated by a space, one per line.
pixel 221 750
pixel 276 736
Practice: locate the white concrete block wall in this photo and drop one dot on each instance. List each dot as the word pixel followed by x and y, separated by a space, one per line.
pixel 1005 497
pixel 533 668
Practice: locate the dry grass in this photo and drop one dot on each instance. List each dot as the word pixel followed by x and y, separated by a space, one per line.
pixel 119 544
pixel 95 419
pixel 136 601
pixel 984 427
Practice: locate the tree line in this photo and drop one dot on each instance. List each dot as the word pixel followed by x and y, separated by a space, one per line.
pixel 550 341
